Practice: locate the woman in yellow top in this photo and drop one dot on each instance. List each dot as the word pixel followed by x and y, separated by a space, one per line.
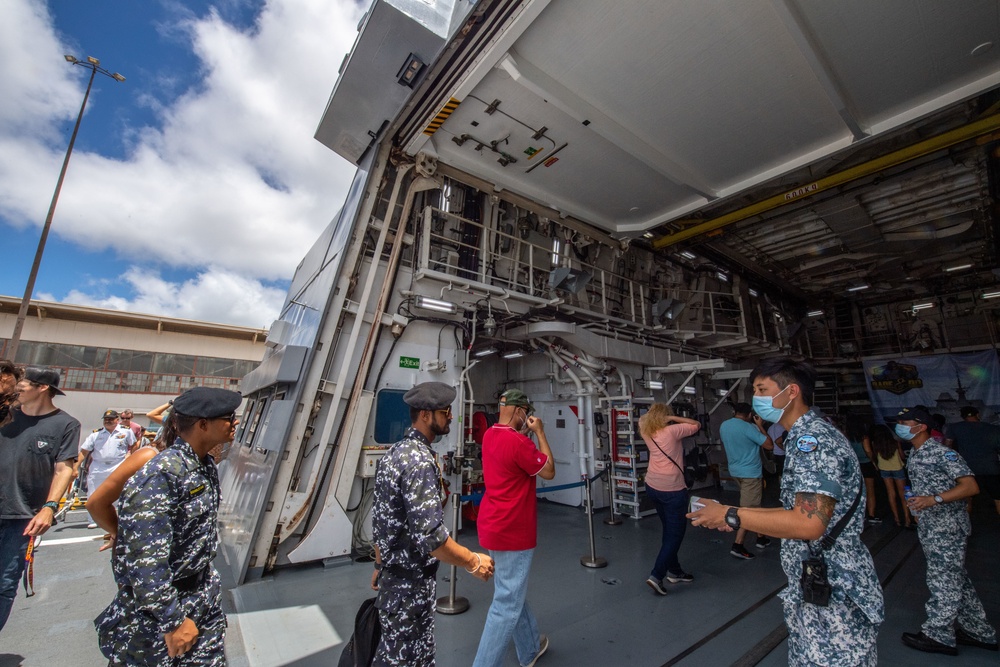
pixel 889 459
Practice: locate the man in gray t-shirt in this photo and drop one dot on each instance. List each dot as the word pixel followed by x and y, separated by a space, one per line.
pixel 37 449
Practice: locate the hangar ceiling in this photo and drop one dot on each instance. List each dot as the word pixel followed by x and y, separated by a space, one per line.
pixel 646 118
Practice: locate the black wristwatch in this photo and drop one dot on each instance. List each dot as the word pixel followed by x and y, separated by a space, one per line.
pixel 378 566
pixel 52 505
pixel 733 518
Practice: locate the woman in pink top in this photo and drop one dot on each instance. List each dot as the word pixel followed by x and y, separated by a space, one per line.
pixel 663 433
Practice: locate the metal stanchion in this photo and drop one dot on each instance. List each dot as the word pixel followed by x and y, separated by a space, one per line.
pixel 593 560
pixel 612 520
pixel 451 605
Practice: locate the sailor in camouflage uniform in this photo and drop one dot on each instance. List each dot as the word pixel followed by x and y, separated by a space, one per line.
pixel 941 481
pixel 821 481
pixel 168 611
pixel 410 535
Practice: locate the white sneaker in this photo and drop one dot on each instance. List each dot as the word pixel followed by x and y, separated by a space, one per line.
pixel 91 525
pixel 543 646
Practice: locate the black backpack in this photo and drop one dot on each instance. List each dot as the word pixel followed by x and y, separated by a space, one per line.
pixel 361 647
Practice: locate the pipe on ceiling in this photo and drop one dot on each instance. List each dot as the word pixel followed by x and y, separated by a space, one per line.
pixel 895 158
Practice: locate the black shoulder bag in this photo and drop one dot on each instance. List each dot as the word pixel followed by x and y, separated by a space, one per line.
pixel 688 476
pixel 815 584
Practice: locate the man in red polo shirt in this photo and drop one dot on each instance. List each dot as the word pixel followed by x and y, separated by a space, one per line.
pixel 507 525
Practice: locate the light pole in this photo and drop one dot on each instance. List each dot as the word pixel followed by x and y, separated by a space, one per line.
pixel 94 65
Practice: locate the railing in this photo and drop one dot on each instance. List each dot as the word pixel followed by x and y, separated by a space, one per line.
pixel 465 252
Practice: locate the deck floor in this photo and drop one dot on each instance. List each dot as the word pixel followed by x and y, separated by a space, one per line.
pixel 728 616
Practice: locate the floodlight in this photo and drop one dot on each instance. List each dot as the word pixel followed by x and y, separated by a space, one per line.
pixel 569 280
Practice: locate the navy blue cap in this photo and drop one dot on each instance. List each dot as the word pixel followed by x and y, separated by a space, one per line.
pixel 917 414
pixel 207 402
pixel 430 396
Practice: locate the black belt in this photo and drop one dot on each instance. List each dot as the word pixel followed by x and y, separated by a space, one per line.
pixel 412 573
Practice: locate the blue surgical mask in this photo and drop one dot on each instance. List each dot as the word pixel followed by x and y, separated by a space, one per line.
pixel 764 406
pixel 904 432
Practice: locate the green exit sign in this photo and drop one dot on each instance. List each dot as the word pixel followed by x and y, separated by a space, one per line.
pixel 409 362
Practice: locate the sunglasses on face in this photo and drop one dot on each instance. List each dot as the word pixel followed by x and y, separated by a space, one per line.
pixel 446 412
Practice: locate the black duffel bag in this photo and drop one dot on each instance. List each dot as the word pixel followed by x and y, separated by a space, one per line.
pixel 361 647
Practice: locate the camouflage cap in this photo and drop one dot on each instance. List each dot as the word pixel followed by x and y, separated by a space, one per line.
pixel 430 396
pixel 516 398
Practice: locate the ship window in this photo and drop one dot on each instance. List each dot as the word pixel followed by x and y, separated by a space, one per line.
pixel 392 416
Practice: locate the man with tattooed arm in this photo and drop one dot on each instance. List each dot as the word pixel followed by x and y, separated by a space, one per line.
pixel 833 602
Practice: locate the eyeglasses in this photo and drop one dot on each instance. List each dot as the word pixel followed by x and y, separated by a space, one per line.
pixel 447 412
pixel 230 418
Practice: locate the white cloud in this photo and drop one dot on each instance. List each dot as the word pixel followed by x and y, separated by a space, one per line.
pixel 215 295
pixel 230 178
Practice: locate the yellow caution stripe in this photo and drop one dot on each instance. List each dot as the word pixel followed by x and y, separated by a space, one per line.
pixel 442 116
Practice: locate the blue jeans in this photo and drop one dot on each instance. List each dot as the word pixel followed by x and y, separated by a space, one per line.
pixel 671 506
pixel 509 615
pixel 13 548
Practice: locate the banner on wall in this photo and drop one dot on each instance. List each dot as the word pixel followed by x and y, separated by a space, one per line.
pixel 944 383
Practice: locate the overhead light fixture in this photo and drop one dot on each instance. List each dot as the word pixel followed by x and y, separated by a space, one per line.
pixel 93 61
pixel 814 313
pixel 436 304
pixel 654 384
pixel 722 392
pixel 70 59
pixel 688 255
pixel 410 70
pixel 647 235
pixel 989 295
pixel 690 390
pixel 922 306
pixel 958 268
pixel 753 292
pixel 858 288
pixel 513 354
pixel 485 352
pixel 722 276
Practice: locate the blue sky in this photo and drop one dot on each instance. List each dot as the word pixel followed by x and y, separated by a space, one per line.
pixel 195 187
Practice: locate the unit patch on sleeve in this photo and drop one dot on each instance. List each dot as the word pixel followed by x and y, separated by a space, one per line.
pixel 807 443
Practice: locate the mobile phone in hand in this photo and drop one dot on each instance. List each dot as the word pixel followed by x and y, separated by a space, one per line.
pixel 696 504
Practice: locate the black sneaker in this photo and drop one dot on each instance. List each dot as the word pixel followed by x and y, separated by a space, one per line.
pixel 922 642
pixel 763 542
pixel 965 639
pixel 677 578
pixel 739 551
pixel 656 585
pixel 874 519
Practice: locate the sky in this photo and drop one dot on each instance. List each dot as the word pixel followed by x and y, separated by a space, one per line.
pixel 195 187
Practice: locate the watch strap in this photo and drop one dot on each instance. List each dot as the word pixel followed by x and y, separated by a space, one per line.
pixel 52 505
pixel 733 517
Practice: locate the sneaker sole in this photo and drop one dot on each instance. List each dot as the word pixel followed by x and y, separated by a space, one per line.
pixel 746 556
pixel 659 590
pixel 678 580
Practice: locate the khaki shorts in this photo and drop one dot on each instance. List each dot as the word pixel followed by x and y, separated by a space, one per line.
pixel 751 490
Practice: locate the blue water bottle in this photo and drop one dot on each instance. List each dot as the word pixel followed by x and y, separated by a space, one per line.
pixel 907 494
